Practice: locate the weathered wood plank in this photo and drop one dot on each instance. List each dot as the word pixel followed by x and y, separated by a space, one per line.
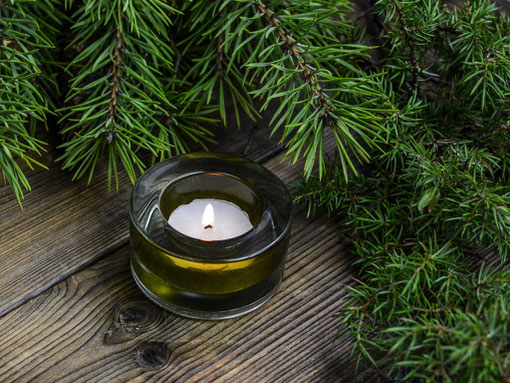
pixel 96 326
pixel 66 225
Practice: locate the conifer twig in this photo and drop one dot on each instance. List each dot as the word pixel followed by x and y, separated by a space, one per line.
pixel 310 78
pixel 27 88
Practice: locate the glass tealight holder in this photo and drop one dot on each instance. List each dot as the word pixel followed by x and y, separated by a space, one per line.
pixel 209 268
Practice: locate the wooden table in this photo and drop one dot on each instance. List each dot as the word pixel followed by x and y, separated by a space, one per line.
pixel 71 312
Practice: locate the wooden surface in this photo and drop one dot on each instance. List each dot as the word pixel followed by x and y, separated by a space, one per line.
pixel 71 312
pixel 97 326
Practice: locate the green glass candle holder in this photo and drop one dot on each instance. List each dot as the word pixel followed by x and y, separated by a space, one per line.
pixel 177 264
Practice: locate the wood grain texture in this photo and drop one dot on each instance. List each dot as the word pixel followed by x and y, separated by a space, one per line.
pixel 97 327
pixel 66 225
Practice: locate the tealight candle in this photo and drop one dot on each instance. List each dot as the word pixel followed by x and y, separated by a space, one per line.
pixel 209 234
pixel 210 219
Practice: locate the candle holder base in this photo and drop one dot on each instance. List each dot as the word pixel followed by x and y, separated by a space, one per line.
pixel 202 315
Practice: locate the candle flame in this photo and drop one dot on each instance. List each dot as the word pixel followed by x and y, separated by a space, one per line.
pixel 208 217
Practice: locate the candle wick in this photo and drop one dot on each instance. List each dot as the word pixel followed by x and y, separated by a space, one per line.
pixel 208 227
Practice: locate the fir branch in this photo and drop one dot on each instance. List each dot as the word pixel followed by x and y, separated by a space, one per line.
pixel 127 89
pixel 25 89
pixel 346 103
pixel 439 188
pixel 412 49
pixel 482 48
pixel 217 78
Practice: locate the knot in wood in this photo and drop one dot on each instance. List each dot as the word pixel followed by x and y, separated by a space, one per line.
pixel 151 355
pixel 132 315
pixel 132 319
pixel 136 317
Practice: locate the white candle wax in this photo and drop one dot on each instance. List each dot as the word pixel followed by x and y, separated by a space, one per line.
pixel 228 220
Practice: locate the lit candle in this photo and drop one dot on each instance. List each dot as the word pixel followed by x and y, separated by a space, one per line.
pixel 210 219
pixel 209 233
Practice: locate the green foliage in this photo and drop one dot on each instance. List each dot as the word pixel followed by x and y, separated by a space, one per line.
pixel 25 90
pixel 440 188
pixel 124 96
pixel 292 53
pixel 142 77
pixel 482 43
pixel 212 71
pixel 317 88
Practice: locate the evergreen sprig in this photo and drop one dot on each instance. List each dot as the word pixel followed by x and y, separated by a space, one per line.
pixel 441 186
pixel 317 88
pixel 482 45
pixel 124 96
pixel 214 76
pixel 26 91
pixel 292 53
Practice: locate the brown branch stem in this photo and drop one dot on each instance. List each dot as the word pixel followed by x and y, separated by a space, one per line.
pixel 114 98
pixel 220 57
pixel 178 56
pixel 412 49
pixel 310 78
